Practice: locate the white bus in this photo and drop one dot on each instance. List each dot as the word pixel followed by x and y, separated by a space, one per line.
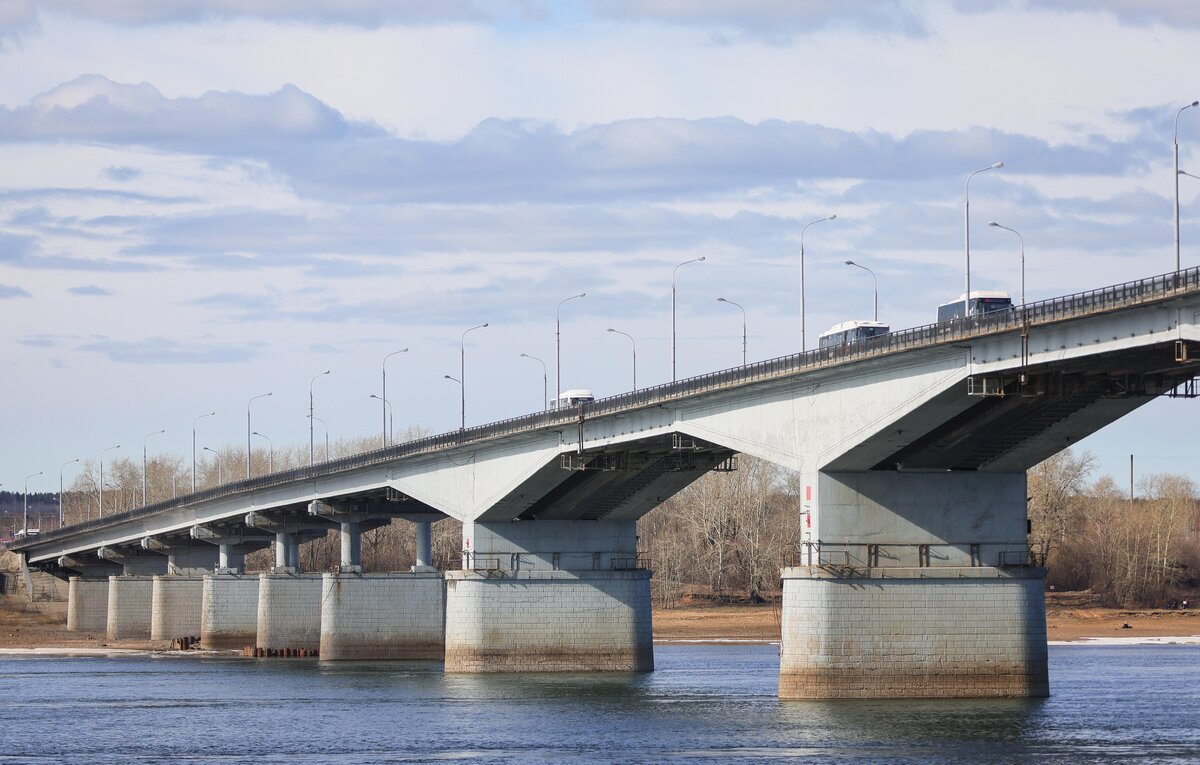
pixel 851 332
pixel 569 399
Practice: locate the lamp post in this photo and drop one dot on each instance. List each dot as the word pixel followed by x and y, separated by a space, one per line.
pixel 994 224
pixel 388 424
pixel 673 273
pixel 633 345
pixel 102 453
pixel 60 489
pixel 144 463
pixel 388 430
pixel 216 457
pixel 967 231
pixel 875 298
pixel 462 422
pixel 324 425
pixel 803 302
pixel 739 305
pixel 248 430
pixel 25 496
pixel 201 417
pixel 558 346
pixel 270 453
pixel 1177 172
pixel 311 458
pixel 462 373
pixel 545 391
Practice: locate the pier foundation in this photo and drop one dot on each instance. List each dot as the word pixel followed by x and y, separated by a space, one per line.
pixel 130 606
pixel 229 611
pixel 175 611
pixel 87 604
pixel 383 616
pixel 289 610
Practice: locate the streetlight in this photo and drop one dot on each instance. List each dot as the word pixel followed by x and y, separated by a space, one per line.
pixel 60 489
pixel 462 372
pixel 201 417
pixel 388 424
pixel 633 344
pixel 875 298
pixel 144 441
pixel 994 224
pixel 271 453
pixel 217 457
pixel 311 458
pixel 967 230
pixel 388 430
pixel 109 449
pixel 1189 175
pixel 325 425
pixel 739 305
pixel 673 273
pixel 803 302
pixel 545 392
pixel 248 431
pixel 463 421
pixel 1177 173
pixel 25 496
pixel 558 346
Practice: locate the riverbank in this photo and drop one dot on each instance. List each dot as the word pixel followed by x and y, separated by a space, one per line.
pixel 1070 617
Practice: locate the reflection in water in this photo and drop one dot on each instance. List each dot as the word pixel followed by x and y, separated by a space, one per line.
pixel 705 703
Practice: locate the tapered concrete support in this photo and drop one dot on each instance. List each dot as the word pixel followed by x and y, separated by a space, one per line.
pixel 548 621
pixel 289 611
pixel 913 633
pixel 424 534
pixel 351 543
pixel 87 604
pixel 383 616
pixel 176 608
pixel 229 612
pixel 130 606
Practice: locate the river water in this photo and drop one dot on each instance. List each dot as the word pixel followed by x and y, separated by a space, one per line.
pixel 710 704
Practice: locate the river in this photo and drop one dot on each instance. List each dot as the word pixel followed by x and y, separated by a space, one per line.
pixel 704 703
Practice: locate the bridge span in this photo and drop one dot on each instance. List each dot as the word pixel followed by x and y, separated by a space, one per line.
pixel 911 579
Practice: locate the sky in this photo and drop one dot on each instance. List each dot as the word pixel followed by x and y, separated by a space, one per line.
pixel 203 202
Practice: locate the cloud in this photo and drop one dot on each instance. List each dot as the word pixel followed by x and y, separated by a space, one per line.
pixel 1136 12
pixel 121 173
pixel 90 290
pixel 9 291
pixel 772 20
pixel 161 350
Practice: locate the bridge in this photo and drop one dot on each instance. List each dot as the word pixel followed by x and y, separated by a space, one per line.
pixel 912 578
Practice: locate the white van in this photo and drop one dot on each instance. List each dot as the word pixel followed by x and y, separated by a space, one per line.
pixel 570 399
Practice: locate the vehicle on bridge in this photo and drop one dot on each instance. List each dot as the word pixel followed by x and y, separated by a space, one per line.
pixel 982 301
pixel 851 332
pixel 572 398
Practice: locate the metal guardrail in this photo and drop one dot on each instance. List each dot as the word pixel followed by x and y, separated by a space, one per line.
pixel 1080 304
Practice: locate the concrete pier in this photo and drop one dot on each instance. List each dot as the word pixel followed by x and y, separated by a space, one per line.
pixel 383 616
pixel 176 608
pixel 229 612
pixel 289 610
pixel 130 606
pixel 913 633
pixel 548 621
pixel 87 604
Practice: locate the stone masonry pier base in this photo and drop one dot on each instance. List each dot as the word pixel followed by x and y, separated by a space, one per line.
pixel 229 612
pixel 548 621
pixel 913 633
pixel 176 608
pixel 87 604
pixel 289 610
pixel 130 605
pixel 383 616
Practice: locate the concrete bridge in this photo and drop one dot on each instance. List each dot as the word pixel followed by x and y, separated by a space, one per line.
pixel 912 578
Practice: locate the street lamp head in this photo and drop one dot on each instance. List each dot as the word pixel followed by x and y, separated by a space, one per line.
pixel 1194 103
pixel 997 165
pixel 484 324
pixel 700 259
pixel 851 263
pixel 995 224
pixel 832 217
pixel 722 300
pixel 375 397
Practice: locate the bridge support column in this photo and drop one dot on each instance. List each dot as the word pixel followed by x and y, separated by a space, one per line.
pixel 383 616
pixel 917 588
pixel 87 604
pixel 229 611
pixel 424 533
pixel 289 610
pixel 351 541
pixel 130 606
pixel 549 596
pixel 175 611
pixel 287 552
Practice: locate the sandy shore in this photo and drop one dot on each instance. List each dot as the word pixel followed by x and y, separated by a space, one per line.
pixel 1070 617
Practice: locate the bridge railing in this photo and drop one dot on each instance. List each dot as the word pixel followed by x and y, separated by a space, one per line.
pixel 1152 289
